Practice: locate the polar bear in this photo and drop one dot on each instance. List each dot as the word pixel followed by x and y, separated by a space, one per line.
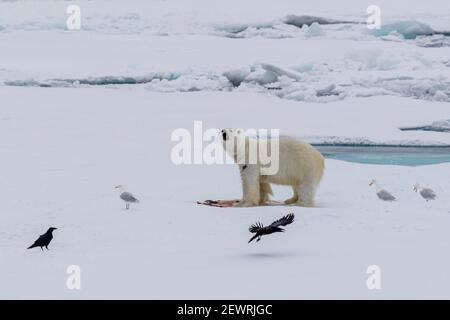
pixel 299 165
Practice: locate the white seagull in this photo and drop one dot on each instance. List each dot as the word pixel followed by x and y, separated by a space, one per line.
pixel 126 196
pixel 426 193
pixel 382 193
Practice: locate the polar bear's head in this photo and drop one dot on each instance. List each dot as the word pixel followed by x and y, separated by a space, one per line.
pixel 245 148
pixel 233 141
pixel 231 134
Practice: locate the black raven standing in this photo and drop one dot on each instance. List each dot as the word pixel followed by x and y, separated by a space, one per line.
pixel 260 230
pixel 43 240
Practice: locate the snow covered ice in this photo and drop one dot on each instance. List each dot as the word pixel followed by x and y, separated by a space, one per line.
pixel 83 111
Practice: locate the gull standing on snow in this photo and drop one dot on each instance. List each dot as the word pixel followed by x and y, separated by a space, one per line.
pixel 381 193
pixel 126 196
pixel 426 193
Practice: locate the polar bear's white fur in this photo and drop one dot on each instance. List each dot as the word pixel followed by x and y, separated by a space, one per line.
pixel 300 166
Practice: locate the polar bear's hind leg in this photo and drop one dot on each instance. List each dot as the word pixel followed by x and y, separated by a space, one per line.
pixel 294 198
pixel 307 193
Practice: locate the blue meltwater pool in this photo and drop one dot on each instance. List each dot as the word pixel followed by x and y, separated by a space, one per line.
pixel 402 156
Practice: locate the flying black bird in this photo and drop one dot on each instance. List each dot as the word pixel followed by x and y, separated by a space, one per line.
pixel 43 240
pixel 260 230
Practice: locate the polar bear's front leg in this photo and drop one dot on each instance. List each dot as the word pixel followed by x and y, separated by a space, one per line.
pixel 250 186
pixel 264 190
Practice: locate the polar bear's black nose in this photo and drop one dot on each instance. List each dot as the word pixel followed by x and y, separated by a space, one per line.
pixel 224 134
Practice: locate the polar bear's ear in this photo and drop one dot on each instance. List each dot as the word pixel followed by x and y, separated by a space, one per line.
pixel 239 131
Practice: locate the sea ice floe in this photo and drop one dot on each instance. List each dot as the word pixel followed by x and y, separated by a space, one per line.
pixel 408 29
pixel 319 82
pixel 314 30
pixel 438 126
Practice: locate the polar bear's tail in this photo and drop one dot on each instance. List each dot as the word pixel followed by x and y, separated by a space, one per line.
pixel 321 169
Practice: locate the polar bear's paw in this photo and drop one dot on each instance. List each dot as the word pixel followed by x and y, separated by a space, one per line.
pixel 243 204
pixel 306 204
pixel 291 200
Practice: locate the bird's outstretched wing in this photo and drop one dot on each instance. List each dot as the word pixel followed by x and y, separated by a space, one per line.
pixel 287 219
pixel 255 227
